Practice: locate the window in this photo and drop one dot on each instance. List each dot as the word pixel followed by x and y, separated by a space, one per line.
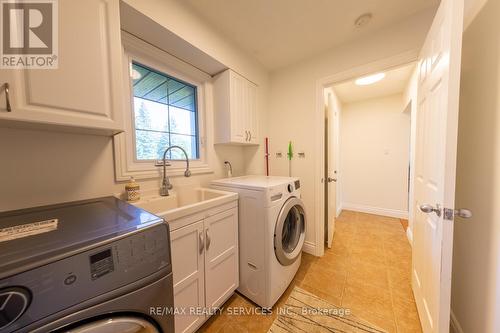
pixel 165 114
pixel 166 101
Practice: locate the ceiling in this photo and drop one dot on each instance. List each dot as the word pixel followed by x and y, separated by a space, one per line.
pixel 281 32
pixel 394 82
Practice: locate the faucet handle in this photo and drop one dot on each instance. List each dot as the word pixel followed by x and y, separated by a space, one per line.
pixel 159 163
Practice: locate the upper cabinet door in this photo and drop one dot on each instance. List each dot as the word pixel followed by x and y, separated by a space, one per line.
pixel 85 91
pixel 253 123
pixel 237 106
pixel 235 102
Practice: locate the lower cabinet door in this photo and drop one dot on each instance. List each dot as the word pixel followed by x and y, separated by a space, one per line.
pixel 187 245
pixel 221 256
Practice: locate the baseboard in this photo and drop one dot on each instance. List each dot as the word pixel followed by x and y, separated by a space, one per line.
pixel 401 214
pixel 409 235
pixel 455 325
pixel 339 210
pixel 309 247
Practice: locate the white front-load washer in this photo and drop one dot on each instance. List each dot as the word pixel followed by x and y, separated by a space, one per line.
pixel 271 234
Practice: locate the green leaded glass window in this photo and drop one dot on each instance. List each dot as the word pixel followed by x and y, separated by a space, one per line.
pixel 165 114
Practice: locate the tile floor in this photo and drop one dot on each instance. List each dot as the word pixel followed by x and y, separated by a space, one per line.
pixel 367 270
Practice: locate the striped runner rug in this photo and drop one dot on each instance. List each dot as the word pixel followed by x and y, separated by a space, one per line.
pixel 304 312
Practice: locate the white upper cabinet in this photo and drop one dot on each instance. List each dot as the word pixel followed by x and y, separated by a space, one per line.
pixel 235 109
pixel 85 92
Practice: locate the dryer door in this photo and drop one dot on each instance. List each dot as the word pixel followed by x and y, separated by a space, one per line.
pixel 116 325
pixel 289 233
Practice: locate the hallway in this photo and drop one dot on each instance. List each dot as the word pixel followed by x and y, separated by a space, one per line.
pixel 367 270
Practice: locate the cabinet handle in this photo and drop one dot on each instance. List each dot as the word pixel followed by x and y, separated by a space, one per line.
pixel 250 136
pixel 7 97
pixel 200 240
pixel 246 135
pixel 208 239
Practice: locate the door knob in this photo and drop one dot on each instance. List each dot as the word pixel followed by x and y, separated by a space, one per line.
pixel 426 208
pixel 449 214
pixel 329 179
pixel 463 213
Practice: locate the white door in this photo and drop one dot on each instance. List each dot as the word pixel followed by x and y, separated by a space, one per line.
pixel 221 257
pixel 436 144
pixel 332 146
pixel 188 267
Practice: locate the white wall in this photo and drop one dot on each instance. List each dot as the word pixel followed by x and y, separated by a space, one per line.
pixel 292 102
pixel 374 154
pixel 40 168
pixel 476 252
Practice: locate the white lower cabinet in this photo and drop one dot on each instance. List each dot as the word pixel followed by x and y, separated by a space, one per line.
pixel 205 266
pixel 189 275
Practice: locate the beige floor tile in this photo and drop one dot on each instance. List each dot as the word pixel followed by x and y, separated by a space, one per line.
pixel 368 269
pixel 334 261
pixel 334 298
pixel 364 297
pixel 322 277
pixel 406 315
pixel 370 273
pixel 387 324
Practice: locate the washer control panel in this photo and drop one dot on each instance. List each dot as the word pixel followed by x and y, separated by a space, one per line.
pixel 64 283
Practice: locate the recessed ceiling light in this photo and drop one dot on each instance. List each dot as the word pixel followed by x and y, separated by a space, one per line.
pixel 363 20
pixel 371 79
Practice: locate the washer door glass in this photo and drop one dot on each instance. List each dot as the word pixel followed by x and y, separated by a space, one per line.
pixel 116 325
pixel 289 234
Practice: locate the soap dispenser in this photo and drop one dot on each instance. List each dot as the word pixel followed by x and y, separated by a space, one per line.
pixel 133 190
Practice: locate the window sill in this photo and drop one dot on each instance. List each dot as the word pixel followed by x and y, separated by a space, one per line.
pixel 157 173
pixel 125 168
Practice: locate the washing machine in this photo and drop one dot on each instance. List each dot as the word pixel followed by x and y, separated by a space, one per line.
pixel 93 266
pixel 272 222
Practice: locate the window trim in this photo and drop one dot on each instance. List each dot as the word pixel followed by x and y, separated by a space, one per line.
pixel 126 163
pixel 132 59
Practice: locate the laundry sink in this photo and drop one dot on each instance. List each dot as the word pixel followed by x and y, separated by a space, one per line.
pixel 184 201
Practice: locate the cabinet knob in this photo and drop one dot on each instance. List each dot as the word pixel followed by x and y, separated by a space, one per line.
pixel 207 235
pixel 202 243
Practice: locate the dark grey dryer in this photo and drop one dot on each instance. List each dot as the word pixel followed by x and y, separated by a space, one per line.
pixel 86 265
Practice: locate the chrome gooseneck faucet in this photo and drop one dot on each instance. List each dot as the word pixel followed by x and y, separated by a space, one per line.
pixel 165 183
